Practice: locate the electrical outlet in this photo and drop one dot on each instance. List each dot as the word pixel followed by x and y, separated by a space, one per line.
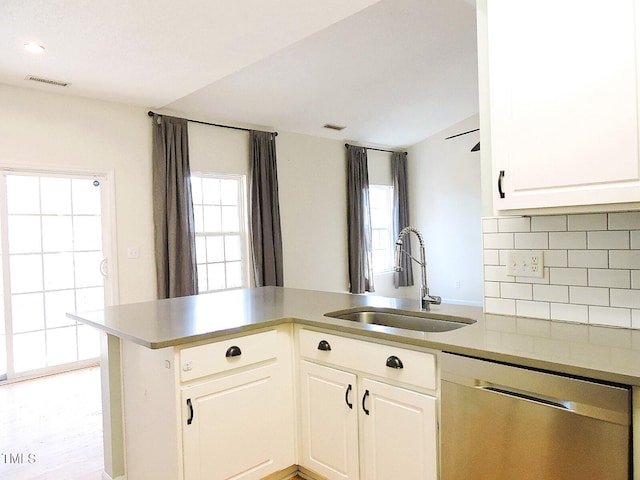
pixel 525 263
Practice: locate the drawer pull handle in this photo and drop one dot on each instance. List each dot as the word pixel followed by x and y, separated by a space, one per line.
pixel 346 397
pixel 394 362
pixel 500 178
pixel 364 401
pixel 233 352
pixel 324 346
pixel 190 419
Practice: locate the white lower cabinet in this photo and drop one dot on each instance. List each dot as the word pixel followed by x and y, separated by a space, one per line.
pixel 329 421
pixel 362 416
pixel 216 411
pixel 399 433
pixel 229 425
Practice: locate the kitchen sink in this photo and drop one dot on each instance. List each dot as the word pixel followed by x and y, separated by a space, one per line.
pixel 409 320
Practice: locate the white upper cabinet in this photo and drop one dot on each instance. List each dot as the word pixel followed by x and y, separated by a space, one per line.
pixel 563 100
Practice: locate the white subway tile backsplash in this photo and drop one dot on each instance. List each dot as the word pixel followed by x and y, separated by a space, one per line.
pixel 624 259
pixel 535 241
pixel 500 306
pixel 526 308
pixel 589 296
pixel 625 298
pixel 588 258
pixel 624 221
pixel 492 289
pixel 591 268
pixel 496 273
pixel 587 222
pixel 556 258
pixel 570 313
pixel 491 257
pixel 551 293
pixel 551 223
pixel 613 317
pixel 489 225
pixel 516 290
pixel 497 240
pixel 601 277
pixel 608 240
pixel 567 240
pixel 514 224
pixel 568 276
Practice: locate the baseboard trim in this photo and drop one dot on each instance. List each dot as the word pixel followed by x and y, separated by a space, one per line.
pixel 106 476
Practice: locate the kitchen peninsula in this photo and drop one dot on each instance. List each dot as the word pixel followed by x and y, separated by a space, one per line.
pixel 180 356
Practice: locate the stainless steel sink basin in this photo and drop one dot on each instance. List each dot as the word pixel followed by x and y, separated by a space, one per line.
pixel 406 319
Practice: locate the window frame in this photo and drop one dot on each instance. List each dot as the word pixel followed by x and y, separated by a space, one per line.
pixel 242 231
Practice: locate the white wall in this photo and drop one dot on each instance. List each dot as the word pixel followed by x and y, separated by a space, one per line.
pixel 39 129
pixel 445 205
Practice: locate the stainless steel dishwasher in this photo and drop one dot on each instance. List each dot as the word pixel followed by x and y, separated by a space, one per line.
pixel 502 422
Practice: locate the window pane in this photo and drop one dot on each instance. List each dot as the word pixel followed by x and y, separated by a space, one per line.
pixel 24 234
pixel 229 191
pixel 196 189
pixel 230 220
pixel 232 248
pixel 56 195
pixel 87 233
pixel 57 305
pixel 215 249
pixel 27 312
pixel 87 269
pixel 215 272
pixel 198 218
pixel 57 234
pixel 29 351
pixel 210 191
pixel 3 355
pixel 58 271
pixel 86 196
pixel 201 249
pixel 212 219
pixel 89 299
pixel 23 194
pixel 234 274
pixel 26 273
pixel 62 345
pixel 203 284
pixel 88 342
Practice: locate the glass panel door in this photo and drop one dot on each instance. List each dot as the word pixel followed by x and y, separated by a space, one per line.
pixel 54 254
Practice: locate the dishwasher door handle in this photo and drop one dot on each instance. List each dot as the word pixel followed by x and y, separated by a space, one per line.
pixel 565 405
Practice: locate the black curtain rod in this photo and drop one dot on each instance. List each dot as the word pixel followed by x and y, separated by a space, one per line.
pixel 150 113
pixel 346 145
pixel 464 133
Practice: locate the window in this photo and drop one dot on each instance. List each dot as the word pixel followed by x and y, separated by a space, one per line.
pixel 221 243
pixel 382 241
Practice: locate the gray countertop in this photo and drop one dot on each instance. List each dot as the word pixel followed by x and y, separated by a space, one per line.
pixel 604 353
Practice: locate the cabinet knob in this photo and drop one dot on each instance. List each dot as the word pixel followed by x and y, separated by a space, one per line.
pixel 324 346
pixel 233 352
pixel 394 362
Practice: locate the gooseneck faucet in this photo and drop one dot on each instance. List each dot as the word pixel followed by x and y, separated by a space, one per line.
pixel 426 300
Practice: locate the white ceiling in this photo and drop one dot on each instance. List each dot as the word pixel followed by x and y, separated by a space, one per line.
pixel 392 71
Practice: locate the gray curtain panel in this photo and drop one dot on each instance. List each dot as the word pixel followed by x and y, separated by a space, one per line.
pixel 266 236
pixel 173 209
pixel 359 221
pixel 403 278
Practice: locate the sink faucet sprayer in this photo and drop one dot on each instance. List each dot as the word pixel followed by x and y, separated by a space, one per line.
pixel 425 299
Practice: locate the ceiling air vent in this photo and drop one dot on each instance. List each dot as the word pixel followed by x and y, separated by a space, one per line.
pixel 48 81
pixel 331 126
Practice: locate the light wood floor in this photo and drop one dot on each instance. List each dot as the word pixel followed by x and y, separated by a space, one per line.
pixel 56 423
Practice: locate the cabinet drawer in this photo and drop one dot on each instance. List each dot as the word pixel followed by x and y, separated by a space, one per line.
pixel 225 355
pixel 418 368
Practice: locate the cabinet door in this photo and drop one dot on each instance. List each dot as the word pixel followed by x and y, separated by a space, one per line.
pixel 564 102
pixel 399 433
pixel 230 426
pixel 329 421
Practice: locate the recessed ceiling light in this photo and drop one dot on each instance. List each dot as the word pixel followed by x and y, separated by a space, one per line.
pixel 33 48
